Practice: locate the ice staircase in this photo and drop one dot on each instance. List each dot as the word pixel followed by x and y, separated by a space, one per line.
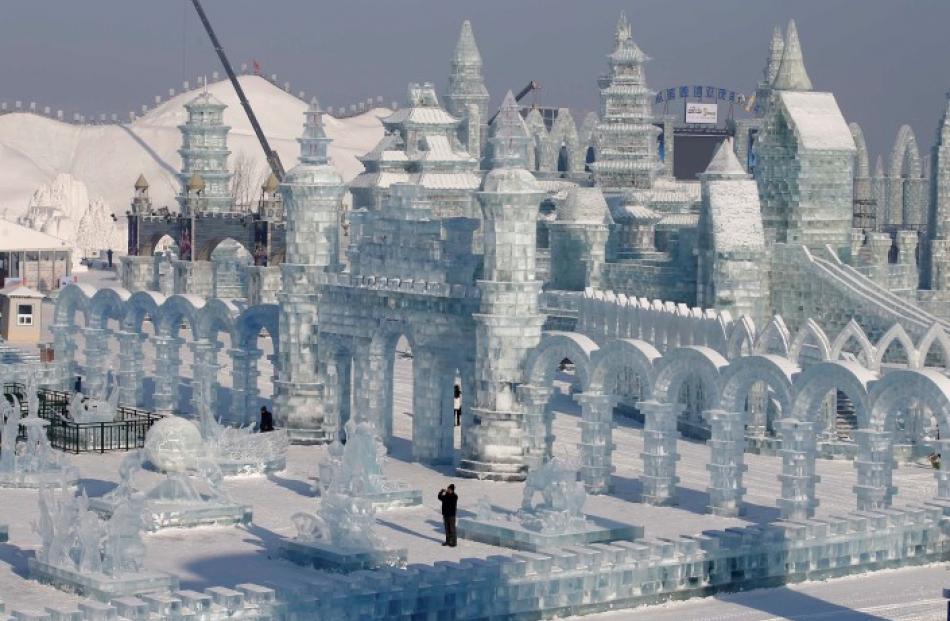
pixel 881 302
pixel 10 354
pixel 846 420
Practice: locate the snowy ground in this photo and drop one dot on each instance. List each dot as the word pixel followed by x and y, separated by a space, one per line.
pixel 229 555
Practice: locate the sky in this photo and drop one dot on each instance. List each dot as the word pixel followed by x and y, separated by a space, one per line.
pixel 885 60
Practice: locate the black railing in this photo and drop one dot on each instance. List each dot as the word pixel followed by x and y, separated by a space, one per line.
pixel 126 433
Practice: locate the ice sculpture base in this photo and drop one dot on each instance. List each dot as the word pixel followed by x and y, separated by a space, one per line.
pixel 99 586
pixel 159 515
pixel 513 535
pixel 332 558
pixel 4 533
pixel 237 468
pixel 36 480
pixel 395 499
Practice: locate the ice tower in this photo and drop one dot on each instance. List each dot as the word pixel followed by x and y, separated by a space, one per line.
pixel 467 97
pixel 625 136
pixel 312 193
pixel 205 178
pixel 805 160
pixel 508 324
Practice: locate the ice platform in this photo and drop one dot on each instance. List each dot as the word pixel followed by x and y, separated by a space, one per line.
pixel 99 586
pixel 331 558
pixel 159 515
pixel 36 480
pixel 511 534
pixel 395 499
pixel 231 468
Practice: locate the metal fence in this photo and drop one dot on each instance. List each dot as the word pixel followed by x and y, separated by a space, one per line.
pixel 126 433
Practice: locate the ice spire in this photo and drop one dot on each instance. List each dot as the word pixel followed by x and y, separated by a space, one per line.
pixel 776 48
pixel 314 142
pixel 724 162
pixel 510 137
pixel 879 167
pixel 625 49
pixel 791 75
pixel 466 50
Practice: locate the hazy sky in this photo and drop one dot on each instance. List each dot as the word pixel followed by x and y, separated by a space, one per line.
pixel 886 60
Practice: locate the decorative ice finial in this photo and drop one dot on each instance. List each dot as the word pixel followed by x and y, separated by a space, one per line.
pixel 624 32
pixel 791 75
pixel 879 167
pixel 466 50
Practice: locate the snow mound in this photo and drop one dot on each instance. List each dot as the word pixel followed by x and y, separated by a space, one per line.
pixel 109 158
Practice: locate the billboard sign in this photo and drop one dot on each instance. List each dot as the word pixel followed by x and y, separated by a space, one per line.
pixel 701 113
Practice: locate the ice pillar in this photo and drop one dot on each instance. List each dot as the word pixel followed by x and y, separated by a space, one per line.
pixel 244 389
pixel 130 367
pixel 596 446
pixel 97 361
pixel 433 419
pixel 798 476
pixel 875 466
pixel 538 437
pixel 726 452
pixel 659 451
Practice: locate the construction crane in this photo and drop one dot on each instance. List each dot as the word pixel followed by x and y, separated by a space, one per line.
pixel 533 85
pixel 273 160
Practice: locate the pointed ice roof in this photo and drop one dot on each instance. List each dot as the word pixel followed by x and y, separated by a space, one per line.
pixel 879 167
pixel 724 162
pixel 466 50
pixel 206 100
pixel 509 135
pixel 141 183
pixel 625 50
pixel 776 49
pixel 792 75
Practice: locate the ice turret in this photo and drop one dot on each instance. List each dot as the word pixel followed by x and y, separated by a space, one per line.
pixel 724 162
pixel 314 142
pixel 510 138
pixel 776 49
pixel 466 96
pixel 791 75
pixel 204 154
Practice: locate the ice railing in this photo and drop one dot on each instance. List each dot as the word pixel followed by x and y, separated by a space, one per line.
pixel 605 315
pixel 574 579
pixel 403 285
pixel 113 118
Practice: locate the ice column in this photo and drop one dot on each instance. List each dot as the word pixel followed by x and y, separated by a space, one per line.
pixel 659 451
pixel 538 436
pixel 167 363
pixel 97 360
pixel 203 393
pixel 433 419
pixel 875 465
pixel 942 447
pixel 130 367
pixel 727 450
pixel 65 347
pixel 312 193
pixel 798 476
pixel 597 445
pixel 244 390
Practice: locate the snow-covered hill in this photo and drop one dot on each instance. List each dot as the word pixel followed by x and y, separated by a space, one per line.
pixel 108 158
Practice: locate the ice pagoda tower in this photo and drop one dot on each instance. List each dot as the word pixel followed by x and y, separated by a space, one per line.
pixel 312 195
pixel 625 136
pixel 805 160
pixel 205 178
pixel 508 324
pixel 467 97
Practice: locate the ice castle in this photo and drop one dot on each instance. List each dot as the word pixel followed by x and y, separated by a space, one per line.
pixel 789 301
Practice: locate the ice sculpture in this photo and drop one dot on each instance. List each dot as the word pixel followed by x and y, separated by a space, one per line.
pixel 241 450
pixel 31 462
pixel 359 467
pixel 83 554
pixel 557 520
pixel 342 534
pixel 83 410
pixel 192 491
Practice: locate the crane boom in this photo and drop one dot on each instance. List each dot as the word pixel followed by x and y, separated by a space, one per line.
pixel 273 160
pixel 532 86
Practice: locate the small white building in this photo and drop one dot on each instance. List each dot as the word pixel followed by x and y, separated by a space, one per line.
pixel 34 258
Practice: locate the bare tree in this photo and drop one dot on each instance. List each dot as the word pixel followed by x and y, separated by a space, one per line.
pixel 248 174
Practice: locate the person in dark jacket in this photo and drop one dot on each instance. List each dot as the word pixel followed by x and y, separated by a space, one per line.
pixel 449 504
pixel 267 420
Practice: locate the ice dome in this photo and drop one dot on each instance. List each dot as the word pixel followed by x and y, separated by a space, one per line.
pixel 173 443
pixel 584 206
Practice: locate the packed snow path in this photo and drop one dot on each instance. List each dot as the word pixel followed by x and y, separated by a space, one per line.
pixel 226 556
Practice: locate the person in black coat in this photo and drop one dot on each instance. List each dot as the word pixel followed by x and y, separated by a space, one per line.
pixel 267 420
pixel 449 505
